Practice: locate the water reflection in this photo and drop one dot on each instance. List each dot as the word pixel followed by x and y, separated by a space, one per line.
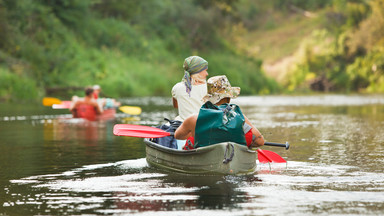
pixel 139 189
pixel 71 129
pixel 52 166
pixel 136 188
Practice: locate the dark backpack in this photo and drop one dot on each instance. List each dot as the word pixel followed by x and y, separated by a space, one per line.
pixel 168 141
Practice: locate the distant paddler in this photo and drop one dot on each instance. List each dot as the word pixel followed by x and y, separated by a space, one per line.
pixel 86 107
pixel 110 103
pixel 107 103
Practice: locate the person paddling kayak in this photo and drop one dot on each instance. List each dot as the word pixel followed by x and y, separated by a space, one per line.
pixel 218 120
pixel 86 107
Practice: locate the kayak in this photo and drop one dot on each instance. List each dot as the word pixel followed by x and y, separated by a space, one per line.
pixel 88 112
pixel 222 158
pixel 109 113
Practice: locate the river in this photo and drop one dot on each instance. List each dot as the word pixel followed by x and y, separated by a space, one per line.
pixel 53 165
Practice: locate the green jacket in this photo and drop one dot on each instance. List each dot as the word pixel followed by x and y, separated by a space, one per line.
pixel 216 124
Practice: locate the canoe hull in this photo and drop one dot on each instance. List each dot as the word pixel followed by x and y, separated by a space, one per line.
pixel 222 158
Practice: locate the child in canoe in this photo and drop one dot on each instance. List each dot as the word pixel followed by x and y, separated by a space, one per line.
pixel 218 120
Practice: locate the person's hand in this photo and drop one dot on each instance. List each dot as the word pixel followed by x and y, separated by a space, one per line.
pixel 257 141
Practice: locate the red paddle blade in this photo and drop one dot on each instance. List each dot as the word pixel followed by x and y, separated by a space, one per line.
pixel 138 131
pixel 63 105
pixel 266 156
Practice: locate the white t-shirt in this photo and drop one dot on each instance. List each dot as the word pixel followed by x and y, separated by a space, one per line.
pixel 188 105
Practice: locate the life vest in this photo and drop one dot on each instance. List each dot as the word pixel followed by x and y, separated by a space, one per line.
pixel 86 111
pixel 217 124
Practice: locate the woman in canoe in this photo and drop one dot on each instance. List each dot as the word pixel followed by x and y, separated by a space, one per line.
pixel 187 94
pixel 218 120
pixel 187 97
pixel 86 107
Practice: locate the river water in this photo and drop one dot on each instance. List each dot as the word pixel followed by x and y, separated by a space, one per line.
pixel 53 165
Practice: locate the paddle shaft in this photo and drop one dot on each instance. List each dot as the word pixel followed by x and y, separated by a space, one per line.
pixel 152 132
pixel 286 145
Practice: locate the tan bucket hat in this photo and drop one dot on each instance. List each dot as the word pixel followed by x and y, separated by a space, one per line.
pixel 219 88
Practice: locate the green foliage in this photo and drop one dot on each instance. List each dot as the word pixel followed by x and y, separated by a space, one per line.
pixel 303 4
pixel 355 13
pixel 345 15
pixel 310 62
pixel 131 48
pixel 367 73
pixel 136 48
pixel 347 60
pixel 245 73
pixel 130 76
pixel 73 13
pixel 370 31
pixel 15 87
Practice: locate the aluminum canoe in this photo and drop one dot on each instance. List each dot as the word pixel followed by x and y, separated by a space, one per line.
pixel 222 158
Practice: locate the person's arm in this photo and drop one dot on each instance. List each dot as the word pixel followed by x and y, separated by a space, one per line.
pixel 258 139
pixel 174 96
pixel 187 128
pixel 73 105
pixel 174 101
pixel 116 103
pixel 98 107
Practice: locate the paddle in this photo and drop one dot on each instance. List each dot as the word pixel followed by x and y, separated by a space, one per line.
pixel 266 156
pixel 62 105
pixel 286 145
pixel 49 101
pixel 59 104
pixel 152 132
pixel 139 131
pixel 142 131
pixel 132 110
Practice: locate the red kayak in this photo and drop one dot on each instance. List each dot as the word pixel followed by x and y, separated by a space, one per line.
pixel 87 111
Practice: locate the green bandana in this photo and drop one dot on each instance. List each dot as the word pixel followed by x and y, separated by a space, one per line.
pixel 192 65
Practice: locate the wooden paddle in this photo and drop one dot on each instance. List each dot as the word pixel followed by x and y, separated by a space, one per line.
pixel 59 104
pixel 142 131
